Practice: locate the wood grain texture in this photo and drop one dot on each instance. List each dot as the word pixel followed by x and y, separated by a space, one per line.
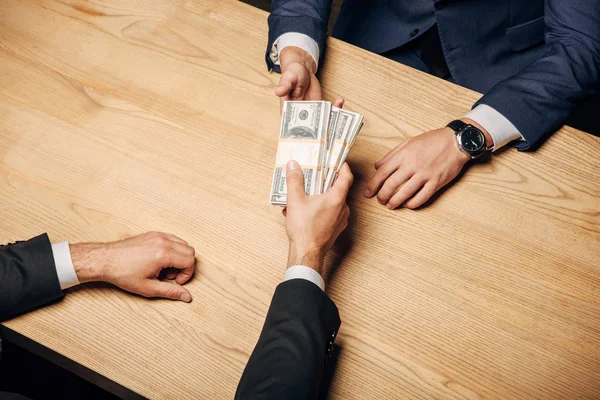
pixel 122 116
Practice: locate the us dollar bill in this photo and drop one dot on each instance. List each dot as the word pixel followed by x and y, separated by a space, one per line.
pixel 329 141
pixel 346 129
pixel 330 179
pixel 332 122
pixel 302 137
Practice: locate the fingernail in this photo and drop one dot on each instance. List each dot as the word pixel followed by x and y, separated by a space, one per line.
pixel 367 193
pixel 185 297
pixel 388 205
pixel 293 164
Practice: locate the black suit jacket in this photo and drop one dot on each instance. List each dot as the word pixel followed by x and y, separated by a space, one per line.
pixel 27 276
pixel 295 343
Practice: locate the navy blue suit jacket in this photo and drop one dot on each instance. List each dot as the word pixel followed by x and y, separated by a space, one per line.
pixel 535 60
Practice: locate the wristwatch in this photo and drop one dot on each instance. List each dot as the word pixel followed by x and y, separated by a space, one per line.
pixel 471 140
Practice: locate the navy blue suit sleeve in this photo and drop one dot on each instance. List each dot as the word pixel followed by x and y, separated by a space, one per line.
pixel 28 276
pixel 309 17
pixel 539 99
pixel 296 340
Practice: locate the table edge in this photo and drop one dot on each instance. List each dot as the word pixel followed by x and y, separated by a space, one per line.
pixel 66 363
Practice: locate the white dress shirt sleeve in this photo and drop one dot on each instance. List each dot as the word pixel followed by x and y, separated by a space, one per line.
pixel 295 39
pixel 64 265
pixel 498 126
pixel 304 272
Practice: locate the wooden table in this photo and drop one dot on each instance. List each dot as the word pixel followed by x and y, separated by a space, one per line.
pixel 123 116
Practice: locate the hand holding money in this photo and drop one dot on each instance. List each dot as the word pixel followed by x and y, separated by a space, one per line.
pixel 319 137
pixel 313 223
pixel 298 76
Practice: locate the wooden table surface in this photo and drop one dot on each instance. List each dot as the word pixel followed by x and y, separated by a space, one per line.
pixel 123 116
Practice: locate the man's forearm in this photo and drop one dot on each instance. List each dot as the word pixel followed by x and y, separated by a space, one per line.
pixel 91 261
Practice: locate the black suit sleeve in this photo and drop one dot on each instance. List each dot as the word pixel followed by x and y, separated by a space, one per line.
pixel 295 343
pixel 27 276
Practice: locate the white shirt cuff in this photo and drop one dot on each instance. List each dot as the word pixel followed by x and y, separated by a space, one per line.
pixel 497 125
pixel 295 39
pixel 304 272
pixel 64 265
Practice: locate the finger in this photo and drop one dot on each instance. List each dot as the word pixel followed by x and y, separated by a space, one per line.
pixel 339 103
pixel 170 273
pixel 302 84
pixel 390 154
pixel 286 83
pixel 166 290
pixel 175 238
pixel 380 177
pixel 344 181
pixel 392 184
pixel 387 156
pixel 183 248
pixel 314 91
pixel 184 275
pixel 169 236
pixel 295 182
pixel 184 262
pixel 407 190
pixel 422 196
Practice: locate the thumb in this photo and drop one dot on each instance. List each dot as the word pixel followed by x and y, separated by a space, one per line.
pixel 286 83
pixel 295 181
pixel 167 290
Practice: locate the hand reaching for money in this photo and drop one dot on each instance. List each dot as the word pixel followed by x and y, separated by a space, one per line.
pixel 298 77
pixel 417 168
pixel 313 223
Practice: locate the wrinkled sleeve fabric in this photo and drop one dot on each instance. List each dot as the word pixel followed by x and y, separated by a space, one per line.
pixel 294 39
pixel 539 99
pixel 295 343
pixel 308 17
pixel 28 277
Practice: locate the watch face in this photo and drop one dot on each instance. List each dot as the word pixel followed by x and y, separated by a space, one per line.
pixel 472 140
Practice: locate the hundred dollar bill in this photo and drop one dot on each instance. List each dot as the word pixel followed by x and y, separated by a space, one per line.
pixel 346 129
pixel 329 142
pixel 330 179
pixel 332 121
pixel 302 137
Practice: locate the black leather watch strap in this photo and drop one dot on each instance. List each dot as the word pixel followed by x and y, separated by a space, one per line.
pixel 457 125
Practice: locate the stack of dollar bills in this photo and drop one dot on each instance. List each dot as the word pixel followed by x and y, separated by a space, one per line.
pixel 318 136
